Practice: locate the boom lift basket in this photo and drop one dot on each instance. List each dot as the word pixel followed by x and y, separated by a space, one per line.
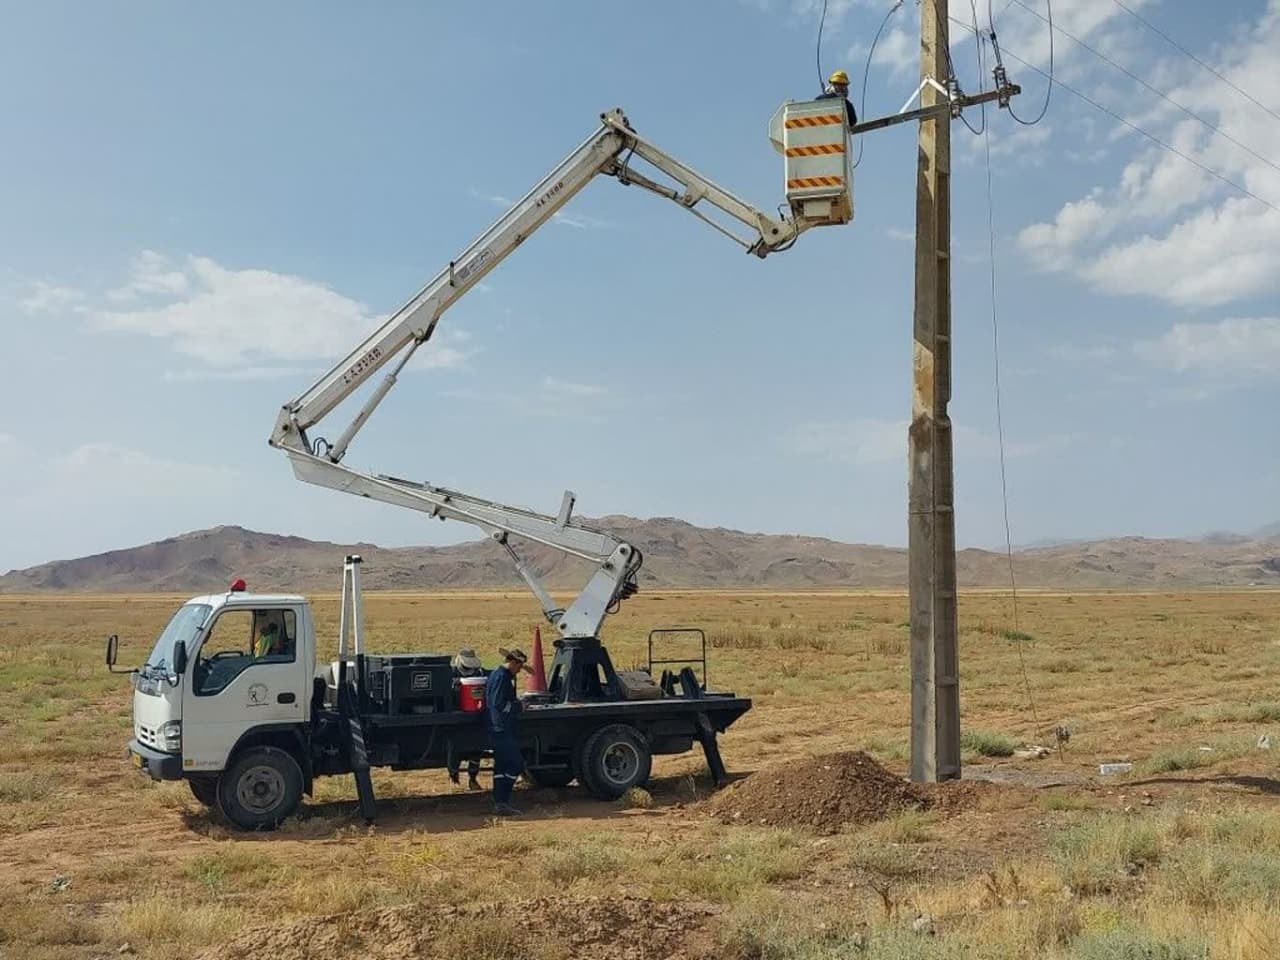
pixel 813 138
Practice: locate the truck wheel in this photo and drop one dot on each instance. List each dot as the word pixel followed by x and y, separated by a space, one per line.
pixel 205 790
pixel 615 759
pixel 550 778
pixel 261 787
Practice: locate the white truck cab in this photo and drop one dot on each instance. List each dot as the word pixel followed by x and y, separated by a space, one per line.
pixel 226 667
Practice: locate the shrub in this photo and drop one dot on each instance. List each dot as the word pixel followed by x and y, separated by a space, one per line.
pixel 26 786
pixel 1061 800
pixel 1174 759
pixel 909 826
pixel 489 937
pixel 1248 713
pixel 1099 856
pixel 578 861
pixel 1132 945
pixel 988 743
pixel 637 797
pixel 1208 877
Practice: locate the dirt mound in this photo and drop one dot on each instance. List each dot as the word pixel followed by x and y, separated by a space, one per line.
pixel 610 928
pixel 822 793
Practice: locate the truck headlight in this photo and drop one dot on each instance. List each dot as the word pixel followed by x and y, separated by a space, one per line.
pixel 171 736
pixel 148 686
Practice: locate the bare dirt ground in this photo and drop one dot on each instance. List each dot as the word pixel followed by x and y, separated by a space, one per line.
pixel 827 856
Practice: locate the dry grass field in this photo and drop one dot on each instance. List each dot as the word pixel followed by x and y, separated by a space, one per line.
pixel 1178 859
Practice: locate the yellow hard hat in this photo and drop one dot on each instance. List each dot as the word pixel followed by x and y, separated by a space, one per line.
pixel 839 77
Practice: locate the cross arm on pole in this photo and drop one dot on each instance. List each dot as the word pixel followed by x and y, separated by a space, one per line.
pixel 953 106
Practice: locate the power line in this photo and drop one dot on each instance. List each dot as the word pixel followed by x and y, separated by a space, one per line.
pixel 1160 93
pixel 1156 30
pixel 817 53
pixel 1150 136
pixel 979 41
pixel 1137 129
pixel 866 73
pixel 1004 482
pixel 1048 92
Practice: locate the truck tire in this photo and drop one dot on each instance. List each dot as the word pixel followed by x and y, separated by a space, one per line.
pixel 614 759
pixel 205 790
pixel 261 787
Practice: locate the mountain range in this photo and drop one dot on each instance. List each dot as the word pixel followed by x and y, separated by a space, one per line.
pixel 677 554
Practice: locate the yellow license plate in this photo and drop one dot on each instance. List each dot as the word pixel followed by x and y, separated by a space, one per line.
pixel 135 760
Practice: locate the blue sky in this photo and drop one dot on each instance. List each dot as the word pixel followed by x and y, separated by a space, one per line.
pixel 202 208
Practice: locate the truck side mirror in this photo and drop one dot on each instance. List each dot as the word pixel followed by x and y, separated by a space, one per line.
pixel 179 658
pixel 113 648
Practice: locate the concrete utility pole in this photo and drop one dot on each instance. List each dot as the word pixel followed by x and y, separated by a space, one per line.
pixel 935 666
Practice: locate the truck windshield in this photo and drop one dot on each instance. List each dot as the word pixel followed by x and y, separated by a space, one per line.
pixel 182 626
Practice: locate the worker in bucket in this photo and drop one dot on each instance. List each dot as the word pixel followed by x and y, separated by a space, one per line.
pixel 467 664
pixel 502 708
pixel 838 89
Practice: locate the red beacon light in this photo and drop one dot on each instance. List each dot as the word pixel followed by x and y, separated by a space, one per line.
pixel 238 585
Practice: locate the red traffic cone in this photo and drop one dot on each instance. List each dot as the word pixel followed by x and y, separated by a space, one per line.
pixel 539 682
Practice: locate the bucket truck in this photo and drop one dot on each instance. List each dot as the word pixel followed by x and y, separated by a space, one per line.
pixel 250 724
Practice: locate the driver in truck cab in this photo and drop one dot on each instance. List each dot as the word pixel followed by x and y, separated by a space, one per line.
pixel 269 642
pixel 502 710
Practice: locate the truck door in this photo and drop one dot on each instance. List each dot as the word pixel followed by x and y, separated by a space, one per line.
pixel 247 673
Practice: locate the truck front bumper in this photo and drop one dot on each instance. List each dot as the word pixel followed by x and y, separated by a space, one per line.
pixel 157 765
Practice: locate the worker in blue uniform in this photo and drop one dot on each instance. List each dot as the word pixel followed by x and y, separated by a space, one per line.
pixel 838 89
pixel 502 707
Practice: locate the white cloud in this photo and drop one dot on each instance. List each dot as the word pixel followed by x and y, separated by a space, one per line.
pixel 1225 348
pixel 578 221
pixel 227 317
pixel 47 298
pixel 898 50
pixel 570 388
pixel 246 373
pixel 237 324
pixel 1053 245
pixel 1165 228
pixel 126 472
pixel 1025 145
pixel 1218 255
pixel 150 273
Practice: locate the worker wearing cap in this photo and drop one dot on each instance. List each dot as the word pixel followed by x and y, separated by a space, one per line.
pixel 502 708
pixel 838 89
pixel 467 664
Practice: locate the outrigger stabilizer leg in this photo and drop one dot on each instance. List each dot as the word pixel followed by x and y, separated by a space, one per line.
pixel 351 642
pixel 703 729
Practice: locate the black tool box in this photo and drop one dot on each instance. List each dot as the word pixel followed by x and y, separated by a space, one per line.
pixel 408 684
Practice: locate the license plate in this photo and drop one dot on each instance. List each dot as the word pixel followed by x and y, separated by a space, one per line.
pixel 135 760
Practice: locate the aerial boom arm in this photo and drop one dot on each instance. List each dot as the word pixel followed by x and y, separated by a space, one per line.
pixel 415 322
pixel 610 150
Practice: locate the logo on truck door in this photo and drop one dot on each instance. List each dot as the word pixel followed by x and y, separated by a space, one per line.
pixel 257 694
